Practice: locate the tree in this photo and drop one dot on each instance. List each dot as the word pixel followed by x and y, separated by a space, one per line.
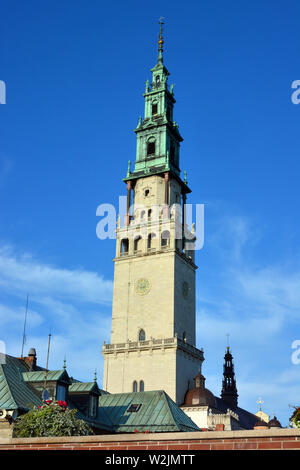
pixel 52 418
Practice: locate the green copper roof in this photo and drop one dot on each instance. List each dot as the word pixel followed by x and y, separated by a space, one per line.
pixel 39 376
pixel 14 393
pixel 156 413
pixel 83 387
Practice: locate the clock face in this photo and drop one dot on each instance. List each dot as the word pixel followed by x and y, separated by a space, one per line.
pixel 185 289
pixel 143 286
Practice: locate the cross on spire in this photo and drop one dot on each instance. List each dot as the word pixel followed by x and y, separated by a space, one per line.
pixel 260 402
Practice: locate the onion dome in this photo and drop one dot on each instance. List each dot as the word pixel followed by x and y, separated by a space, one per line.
pixel 274 423
pixel 199 395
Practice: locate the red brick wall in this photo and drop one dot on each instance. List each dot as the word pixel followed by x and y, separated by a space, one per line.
pixel 218 440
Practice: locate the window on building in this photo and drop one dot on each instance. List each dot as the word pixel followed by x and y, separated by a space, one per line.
pixel 142 335
pixel 168 113
pixel 157 80
pixel 142 386
pixel 61 392
pixel 93 408
pixel 147 192
pixel 165 238
pixel 154 108
pixel 172 152
pixel 134 407
pixel 149 213
pixel 124 246
pixel 150 148
pixel 134 386
pixel 142 214
pixel 149 242
pixel 137 243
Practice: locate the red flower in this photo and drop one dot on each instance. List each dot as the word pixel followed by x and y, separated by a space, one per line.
pixel 48 402
pixel 146 432
pixel 135 430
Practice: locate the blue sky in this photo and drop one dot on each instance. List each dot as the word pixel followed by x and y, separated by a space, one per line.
pixel 75 73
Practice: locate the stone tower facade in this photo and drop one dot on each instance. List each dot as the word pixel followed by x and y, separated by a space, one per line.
pixel 153 332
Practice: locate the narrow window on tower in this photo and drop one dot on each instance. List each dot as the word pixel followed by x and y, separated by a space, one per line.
pixel 157 81
pixel 142 335
pixel 137 243
pixel 165 238
pixel 150 238
pixel 168 113
pixel 134 386
pixel 124 246
pixel 150 147
pixel 172 152
pixel 142 386
pixel 154 108
pixel 149 214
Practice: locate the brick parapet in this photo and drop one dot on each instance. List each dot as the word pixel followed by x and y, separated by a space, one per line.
pixel 283 439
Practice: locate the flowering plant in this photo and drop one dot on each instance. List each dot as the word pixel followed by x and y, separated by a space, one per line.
pixel 295 418
pixel 52 418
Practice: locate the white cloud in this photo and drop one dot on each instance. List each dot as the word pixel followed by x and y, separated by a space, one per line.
pixel 23 273
pixel 73 305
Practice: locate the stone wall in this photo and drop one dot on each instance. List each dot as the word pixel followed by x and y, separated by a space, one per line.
pixel 280 439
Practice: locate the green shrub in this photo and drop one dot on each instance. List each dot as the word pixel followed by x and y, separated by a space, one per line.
pixel 51 419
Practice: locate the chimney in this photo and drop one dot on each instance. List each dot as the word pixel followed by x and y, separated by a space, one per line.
pixel 31 359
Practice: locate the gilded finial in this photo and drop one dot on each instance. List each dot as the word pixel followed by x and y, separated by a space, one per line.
pixel 160 40
pixel 95 376
pixel 65 364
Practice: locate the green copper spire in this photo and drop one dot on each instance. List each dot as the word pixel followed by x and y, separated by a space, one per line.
pixel 158 136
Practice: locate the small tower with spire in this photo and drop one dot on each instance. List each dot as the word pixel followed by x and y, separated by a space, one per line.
pixel 229 391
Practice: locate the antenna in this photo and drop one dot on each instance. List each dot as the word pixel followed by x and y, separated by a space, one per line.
pixel 24 335
pixel 45 391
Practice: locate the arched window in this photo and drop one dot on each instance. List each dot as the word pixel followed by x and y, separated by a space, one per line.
pixel 142 335
pixel 137 243
pixel 168 113
pixel 154 108
pixel 150 238
pixel 157 81
pixel 134 386
pixel 151 147
pixel 142 386
pixel 142 214
pixel 149 213
pixel 124 246
pixel 165 238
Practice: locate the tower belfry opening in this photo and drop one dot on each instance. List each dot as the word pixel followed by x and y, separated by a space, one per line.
pixel 153 335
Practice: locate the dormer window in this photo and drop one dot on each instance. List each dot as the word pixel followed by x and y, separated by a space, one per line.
pixel 60 392
pixel 93 406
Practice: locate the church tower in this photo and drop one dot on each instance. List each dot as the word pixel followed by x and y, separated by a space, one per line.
pixel 153 332
pixel 229 391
